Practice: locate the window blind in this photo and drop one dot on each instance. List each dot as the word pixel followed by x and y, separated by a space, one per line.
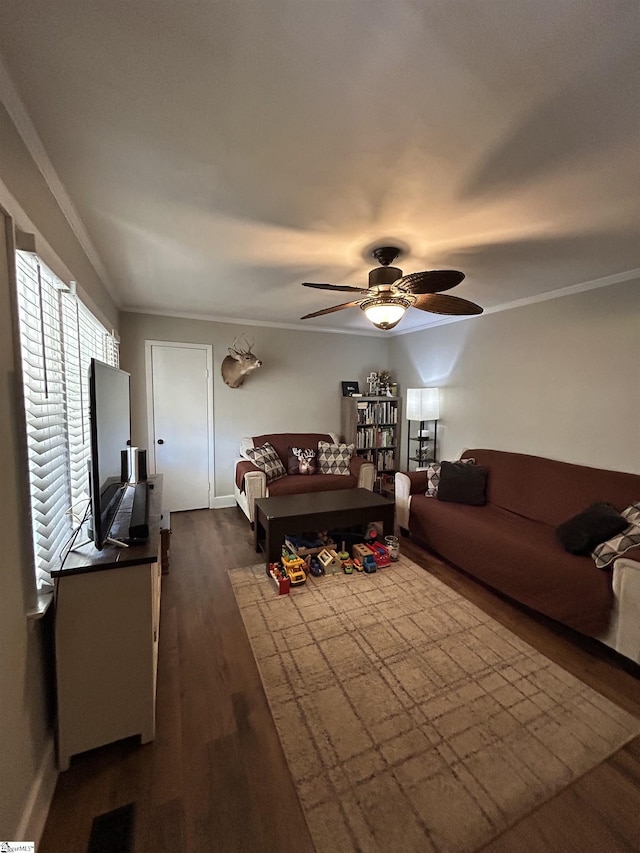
pixel 45 410
pixel 84 338
pixel 58 337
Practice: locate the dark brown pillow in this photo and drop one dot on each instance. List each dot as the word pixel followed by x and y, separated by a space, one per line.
pixel 594 525
pixel 302 460
pixel 462 483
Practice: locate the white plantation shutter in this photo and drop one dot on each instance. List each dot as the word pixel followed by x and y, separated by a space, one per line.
pixel 45 410
pixel 84 338
pixel 58 336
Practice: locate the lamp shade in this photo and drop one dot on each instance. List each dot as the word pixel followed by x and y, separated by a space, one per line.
pixel 423 404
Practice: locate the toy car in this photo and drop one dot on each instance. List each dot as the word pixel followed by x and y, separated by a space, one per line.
pixel 315 568
pixel 347 566
pixel 369 564
pixel 357 565
pixel 380 554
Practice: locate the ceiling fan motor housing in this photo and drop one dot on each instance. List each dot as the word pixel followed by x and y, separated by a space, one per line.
pixel 384 276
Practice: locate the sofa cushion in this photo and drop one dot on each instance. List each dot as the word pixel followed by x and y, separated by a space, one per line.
pixel 433 476
pixel 334 458
pixel 519 557
pixel 302 460
pixel 282 441
pixel 297 484
pixel 550 491
pixel 266 459
pixel 463 483
pixel 595 524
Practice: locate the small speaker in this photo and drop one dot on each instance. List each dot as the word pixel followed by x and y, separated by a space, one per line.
pixel 142 466
pixel 124 466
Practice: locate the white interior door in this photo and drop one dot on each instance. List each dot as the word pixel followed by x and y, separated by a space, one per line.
pixel 180 422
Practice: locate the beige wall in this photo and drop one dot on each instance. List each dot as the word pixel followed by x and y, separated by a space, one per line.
pixel 297 388
pixel 26 723
pixel 559 378
pixel 27 186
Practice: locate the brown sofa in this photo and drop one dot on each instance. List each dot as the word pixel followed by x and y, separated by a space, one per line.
pixel 510 543
pixel 251 483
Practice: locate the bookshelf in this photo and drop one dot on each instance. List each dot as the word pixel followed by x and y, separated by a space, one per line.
pixel 373 425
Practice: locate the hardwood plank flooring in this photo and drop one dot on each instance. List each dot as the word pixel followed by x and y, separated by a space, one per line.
pixel 215 777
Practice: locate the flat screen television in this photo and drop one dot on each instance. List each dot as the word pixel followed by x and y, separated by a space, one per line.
pixel 110 421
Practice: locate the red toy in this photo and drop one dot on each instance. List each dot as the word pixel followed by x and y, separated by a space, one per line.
pixel 279 576
pixel 380 554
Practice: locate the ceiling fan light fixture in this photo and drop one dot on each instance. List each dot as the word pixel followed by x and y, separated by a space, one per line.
pixel 385 312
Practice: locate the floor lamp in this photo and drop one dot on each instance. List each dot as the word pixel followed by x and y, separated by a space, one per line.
pixel 423 404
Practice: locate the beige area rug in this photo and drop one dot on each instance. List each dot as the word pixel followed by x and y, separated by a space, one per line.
pixel 411 721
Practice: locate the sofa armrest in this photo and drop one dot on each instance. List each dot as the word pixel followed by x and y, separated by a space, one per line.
pixel 625 633
pixel 250 483
pixel 418 481
pixel 408 483
pixel 403 500
pixel 365 472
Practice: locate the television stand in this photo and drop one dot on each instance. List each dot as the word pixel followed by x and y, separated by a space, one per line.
pixel 107 610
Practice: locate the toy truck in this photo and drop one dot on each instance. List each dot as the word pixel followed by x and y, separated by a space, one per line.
pixel 369 563
pixel 360 550
pixel 380 554
pixel 294 568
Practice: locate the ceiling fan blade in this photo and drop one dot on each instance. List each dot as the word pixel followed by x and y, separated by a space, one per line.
pixel 331 310
pixel 435 303
pixel 430 281
pixel 345 287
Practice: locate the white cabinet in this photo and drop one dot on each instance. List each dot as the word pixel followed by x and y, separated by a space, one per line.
pixel 107 624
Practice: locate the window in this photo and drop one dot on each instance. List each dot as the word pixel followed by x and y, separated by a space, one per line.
pixel 58 337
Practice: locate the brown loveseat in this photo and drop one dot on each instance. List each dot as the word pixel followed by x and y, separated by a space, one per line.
pixel 510 543
pixel 251 482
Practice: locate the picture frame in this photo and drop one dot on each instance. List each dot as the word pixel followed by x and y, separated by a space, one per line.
pixel 350 388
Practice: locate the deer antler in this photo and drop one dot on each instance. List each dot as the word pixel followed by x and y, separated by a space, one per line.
pixel 236 348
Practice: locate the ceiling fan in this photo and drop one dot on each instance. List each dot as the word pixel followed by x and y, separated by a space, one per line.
pixel 390 293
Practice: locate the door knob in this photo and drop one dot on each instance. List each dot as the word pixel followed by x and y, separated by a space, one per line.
pixel 160 441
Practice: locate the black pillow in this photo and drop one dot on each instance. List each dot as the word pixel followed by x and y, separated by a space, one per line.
pixel 463 484
pixel 596 524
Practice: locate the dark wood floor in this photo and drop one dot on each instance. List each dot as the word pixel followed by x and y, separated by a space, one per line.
pixel 215 778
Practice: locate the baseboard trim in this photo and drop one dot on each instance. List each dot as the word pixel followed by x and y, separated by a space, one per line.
pixel 39 800
pixel 223 501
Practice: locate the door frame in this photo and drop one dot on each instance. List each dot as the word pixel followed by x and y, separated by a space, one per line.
pixel 208 348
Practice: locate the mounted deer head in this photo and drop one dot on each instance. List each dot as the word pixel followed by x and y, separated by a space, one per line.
pixel 239 363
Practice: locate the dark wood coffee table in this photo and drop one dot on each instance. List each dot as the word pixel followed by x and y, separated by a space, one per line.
pixel 290 514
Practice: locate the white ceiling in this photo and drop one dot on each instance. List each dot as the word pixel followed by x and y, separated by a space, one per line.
pixel 220 153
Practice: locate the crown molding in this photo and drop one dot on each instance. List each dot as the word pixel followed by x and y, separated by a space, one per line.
pixel 606 281
pixel 214 318
pixel 25 127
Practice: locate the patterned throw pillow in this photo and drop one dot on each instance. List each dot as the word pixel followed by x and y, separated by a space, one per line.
pixel 301 460
pixel 433 477
pixel 618 545
pixel 266 459
pixel 334 458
